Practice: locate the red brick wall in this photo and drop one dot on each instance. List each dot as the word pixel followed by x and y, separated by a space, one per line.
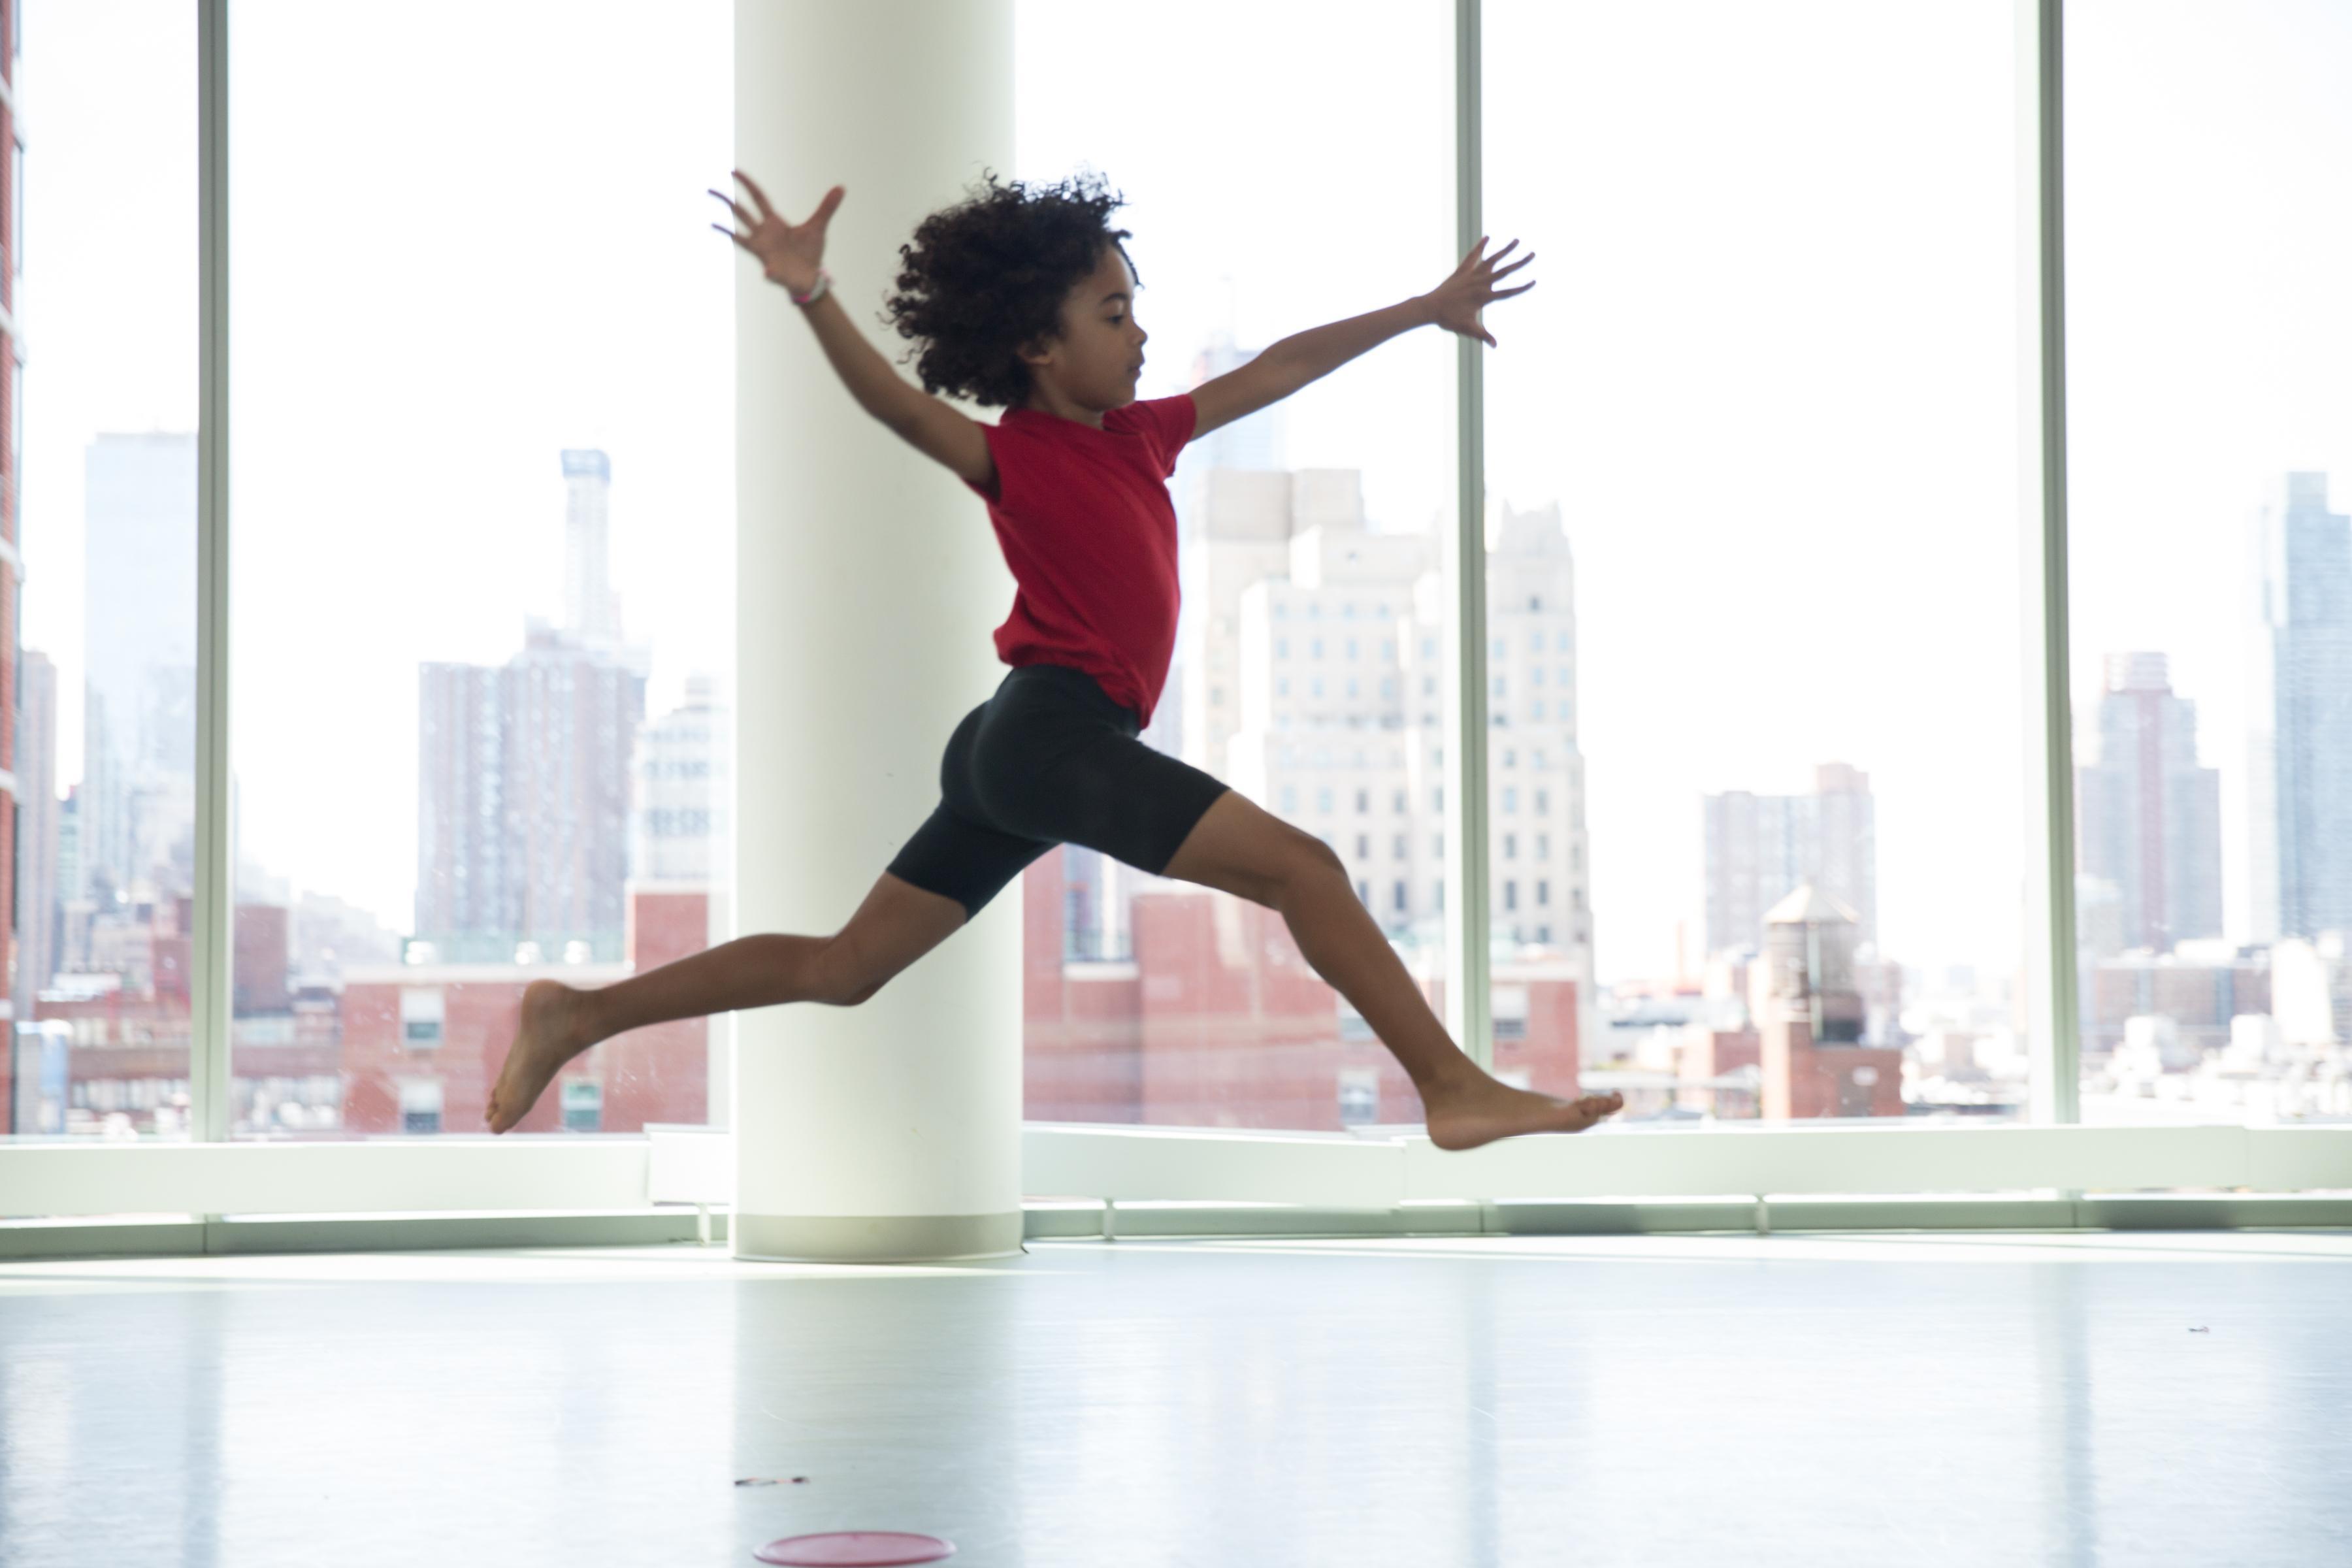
pixel 655 1074
pixel 1803 1081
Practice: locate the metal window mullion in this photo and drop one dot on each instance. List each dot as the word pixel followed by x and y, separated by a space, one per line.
pixel 210 938
pixel 2055 1028
pixel 1468 1004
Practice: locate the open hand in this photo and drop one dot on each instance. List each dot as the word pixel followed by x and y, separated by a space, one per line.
pixel 788 254
pixel 1454 304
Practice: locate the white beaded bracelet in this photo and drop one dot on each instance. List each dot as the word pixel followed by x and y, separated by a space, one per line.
pixel 824 280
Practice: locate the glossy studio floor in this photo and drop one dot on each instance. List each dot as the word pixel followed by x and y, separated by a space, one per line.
pixel 1905 1399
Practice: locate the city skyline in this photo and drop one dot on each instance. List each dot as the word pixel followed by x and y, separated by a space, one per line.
pixel 152 734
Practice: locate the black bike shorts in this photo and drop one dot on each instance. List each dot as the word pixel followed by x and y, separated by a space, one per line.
pixel 1050 759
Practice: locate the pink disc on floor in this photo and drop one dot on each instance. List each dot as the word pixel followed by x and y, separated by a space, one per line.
pixel 854 1548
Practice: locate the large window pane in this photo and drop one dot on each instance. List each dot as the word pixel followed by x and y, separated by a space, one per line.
pixel 1758 417
pixel 1269 192
pixel 2209 476
pixel 101 496
pixel 484 529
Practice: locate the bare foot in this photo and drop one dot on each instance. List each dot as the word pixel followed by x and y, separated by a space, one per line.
pixel 1483 1109
pixel 550 1034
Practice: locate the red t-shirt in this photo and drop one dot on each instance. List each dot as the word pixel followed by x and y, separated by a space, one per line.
pixel 1087 526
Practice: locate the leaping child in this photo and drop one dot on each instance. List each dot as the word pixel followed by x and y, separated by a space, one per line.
pixel 1024 299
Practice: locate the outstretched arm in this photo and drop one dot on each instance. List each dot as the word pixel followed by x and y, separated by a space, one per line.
pixel 1310 355
pixel 789 254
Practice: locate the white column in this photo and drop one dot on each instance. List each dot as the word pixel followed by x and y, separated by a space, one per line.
pixel 867 583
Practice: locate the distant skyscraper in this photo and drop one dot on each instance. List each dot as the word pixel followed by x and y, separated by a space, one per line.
pixel 465 902
pixel 523 771
pixel 36 825
pixel 2299 714
pixel 590 606
pixel 75 905
pixel 2147 817
pixel 139 659
pixel 1760 848
pixel 524 801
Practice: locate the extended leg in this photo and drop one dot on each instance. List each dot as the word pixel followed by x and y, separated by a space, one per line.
pixel 1242 849
pixel 898 924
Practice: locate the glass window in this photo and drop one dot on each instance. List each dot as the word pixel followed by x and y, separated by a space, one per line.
pixel 505 759
pixel 1850 349
pixel 1377 440
pixel 2209 530
pixel 100 654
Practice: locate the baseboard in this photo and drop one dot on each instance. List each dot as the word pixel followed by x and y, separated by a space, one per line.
pixel 196 1236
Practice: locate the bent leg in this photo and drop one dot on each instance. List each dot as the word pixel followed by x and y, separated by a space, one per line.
pixel 1240 848
pixel 896 925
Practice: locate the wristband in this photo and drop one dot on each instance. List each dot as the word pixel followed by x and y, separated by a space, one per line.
pixel 823 279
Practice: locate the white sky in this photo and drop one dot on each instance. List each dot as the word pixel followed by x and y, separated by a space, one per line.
pixel 1769 372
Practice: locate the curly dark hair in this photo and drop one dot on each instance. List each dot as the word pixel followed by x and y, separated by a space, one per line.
pixel 987 276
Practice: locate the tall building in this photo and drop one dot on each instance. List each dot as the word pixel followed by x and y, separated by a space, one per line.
pixel 1760 848
pixel 139 660
pixel 1340 680
pixel 591 607
pixel 37 826
pixel 75 905
pixel 523 781
pixel 2299 714
pixel 2147 817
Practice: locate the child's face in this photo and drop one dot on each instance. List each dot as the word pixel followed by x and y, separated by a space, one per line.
pixel 1099 356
